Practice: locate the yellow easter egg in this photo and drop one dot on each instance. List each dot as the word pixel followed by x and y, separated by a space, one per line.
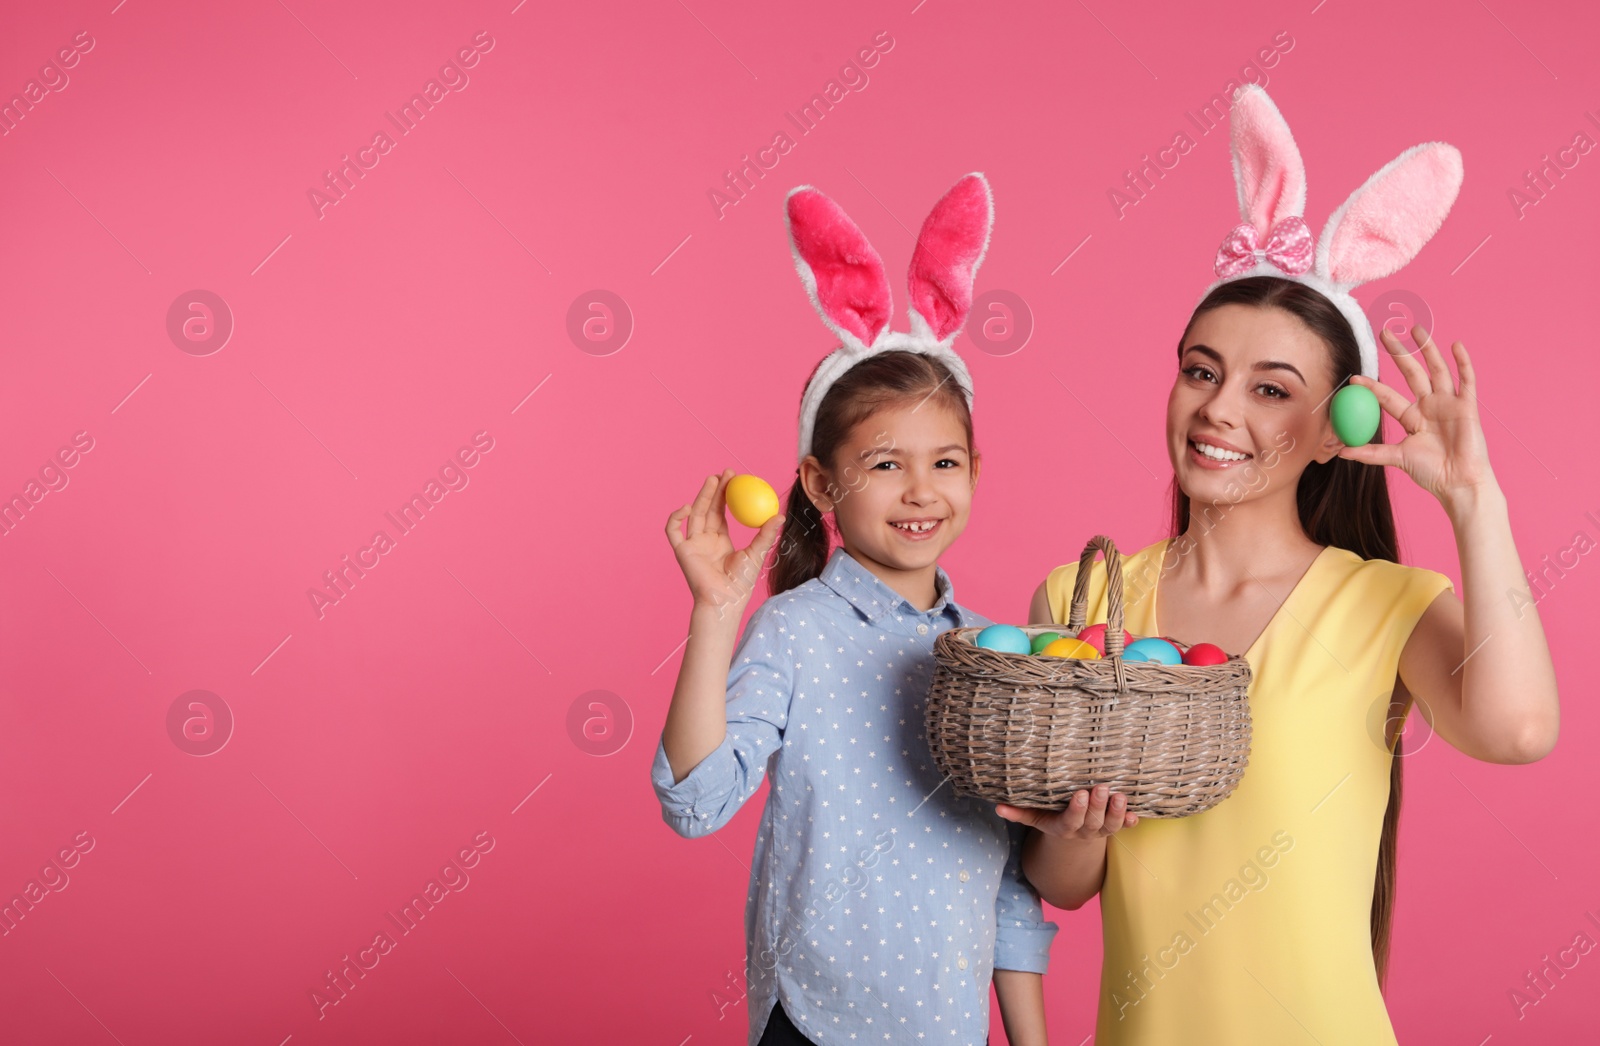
pixel 1066 647
pixel 751 499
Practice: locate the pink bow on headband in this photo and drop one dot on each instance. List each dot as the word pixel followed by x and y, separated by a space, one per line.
pixel 1289 247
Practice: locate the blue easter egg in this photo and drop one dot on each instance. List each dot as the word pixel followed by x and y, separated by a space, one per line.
pixel 1153 649
pixel 1006 638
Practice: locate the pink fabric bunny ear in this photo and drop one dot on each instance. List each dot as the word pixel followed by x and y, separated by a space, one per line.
pixel 1267 169
pixel 1384 223
pixel 842 272
pixel 950 247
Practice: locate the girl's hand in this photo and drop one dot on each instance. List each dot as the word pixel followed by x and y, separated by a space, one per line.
pixel 719 575
pixel 1443 449
pixel 1086 816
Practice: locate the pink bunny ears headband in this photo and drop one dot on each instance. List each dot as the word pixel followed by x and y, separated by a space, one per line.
pixel 845 279
pixel 1373 234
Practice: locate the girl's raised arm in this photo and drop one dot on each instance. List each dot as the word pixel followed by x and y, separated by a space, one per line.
pixel 1481 667
pixel 721 578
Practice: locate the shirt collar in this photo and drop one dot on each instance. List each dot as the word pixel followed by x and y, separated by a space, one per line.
pixel 869 594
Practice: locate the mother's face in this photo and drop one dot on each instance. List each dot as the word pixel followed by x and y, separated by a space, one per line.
pixel 1249 409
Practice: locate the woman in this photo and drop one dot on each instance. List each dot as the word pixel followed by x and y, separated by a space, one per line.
pixel 1268 916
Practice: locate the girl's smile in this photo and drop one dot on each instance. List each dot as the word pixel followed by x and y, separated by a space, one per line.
pixel 916 529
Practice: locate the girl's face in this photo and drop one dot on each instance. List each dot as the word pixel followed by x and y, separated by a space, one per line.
pixel 1252 388
pixel 902 484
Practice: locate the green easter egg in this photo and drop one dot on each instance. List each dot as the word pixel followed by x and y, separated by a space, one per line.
pixel 1044 639
pixel 1355 415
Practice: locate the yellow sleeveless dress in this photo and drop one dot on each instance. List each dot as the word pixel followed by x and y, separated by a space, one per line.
pixel 1249 922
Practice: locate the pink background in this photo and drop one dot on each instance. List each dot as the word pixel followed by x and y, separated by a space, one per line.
pixel 432 703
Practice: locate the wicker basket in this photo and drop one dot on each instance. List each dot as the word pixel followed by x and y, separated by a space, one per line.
pixel 1029 730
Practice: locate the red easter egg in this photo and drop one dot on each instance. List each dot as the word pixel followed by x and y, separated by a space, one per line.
pixel 1204 654
pixel 1095 636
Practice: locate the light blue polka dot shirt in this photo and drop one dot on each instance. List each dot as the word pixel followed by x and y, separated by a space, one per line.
pixel 880 904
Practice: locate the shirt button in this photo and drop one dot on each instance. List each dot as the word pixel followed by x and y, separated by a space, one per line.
pixel 961 963
pixel 964 875
pixel 922 630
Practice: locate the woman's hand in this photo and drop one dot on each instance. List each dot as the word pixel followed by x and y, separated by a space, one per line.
pixel 1086 816
pixel 1443 449
pixel 719 575
pixel 1065 857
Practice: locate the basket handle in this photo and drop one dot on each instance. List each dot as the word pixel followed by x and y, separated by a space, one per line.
pixel 1080 593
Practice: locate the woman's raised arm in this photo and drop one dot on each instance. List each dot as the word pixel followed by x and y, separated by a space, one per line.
pixel 1480 667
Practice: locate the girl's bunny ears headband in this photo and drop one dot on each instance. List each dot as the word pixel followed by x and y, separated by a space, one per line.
pixel 1374 233
pixel 846 281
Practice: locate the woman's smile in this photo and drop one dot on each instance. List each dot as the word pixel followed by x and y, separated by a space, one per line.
pixel 1214 454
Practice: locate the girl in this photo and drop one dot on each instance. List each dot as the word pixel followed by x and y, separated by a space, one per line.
pixel 1267 917
pixel 880 906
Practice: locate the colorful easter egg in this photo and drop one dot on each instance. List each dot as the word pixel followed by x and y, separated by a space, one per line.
pixel 1153 649
pixel 1355 413
pixel 751 499
pixel 1006 638
pixel 1075 648
pixel 1044 639
pixel 1205 654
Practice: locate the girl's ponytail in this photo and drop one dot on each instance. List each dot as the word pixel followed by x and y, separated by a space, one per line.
pixel 803 544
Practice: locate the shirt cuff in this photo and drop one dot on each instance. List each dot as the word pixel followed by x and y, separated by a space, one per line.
pixel 711 777
pixel 1024 948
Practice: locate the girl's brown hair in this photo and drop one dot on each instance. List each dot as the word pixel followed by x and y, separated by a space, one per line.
pixel 1341 502
pixel 884 380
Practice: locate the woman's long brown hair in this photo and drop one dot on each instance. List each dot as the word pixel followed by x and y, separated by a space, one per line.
pixel 1342 503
